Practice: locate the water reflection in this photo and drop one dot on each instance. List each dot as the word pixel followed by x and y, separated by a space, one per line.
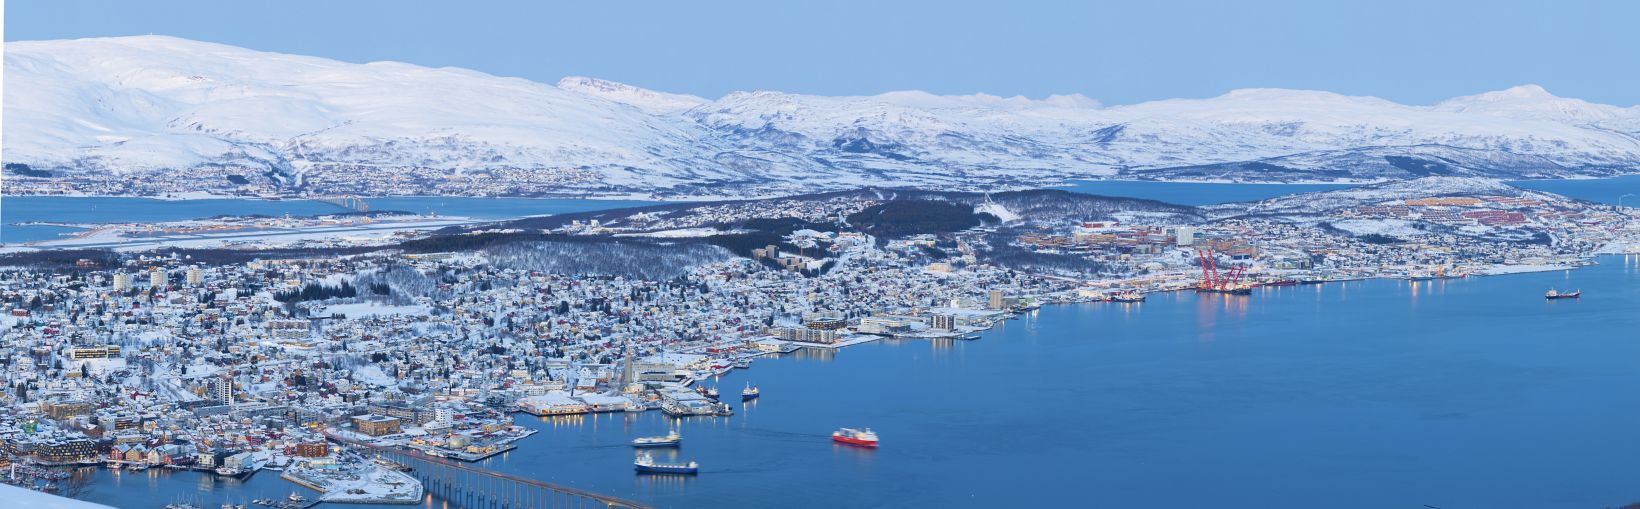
pixel 815 354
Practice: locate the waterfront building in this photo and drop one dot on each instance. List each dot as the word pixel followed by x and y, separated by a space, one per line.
pixel 314 449
pixel 376 425
pixel 943 322
pixel 66 451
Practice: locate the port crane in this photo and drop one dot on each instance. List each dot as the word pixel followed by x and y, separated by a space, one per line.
pixel 1212 281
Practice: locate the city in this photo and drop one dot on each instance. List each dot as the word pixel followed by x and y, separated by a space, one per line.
pixel 258 269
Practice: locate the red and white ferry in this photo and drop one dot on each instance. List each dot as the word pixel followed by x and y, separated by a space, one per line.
pixel 851 436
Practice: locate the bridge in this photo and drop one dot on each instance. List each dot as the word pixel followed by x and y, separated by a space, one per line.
pixel 352 203
pixel 467 486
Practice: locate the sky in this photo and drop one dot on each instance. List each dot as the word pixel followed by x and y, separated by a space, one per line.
pixel 1414 52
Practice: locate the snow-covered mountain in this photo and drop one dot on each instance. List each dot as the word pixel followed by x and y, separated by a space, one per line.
pixel 137 113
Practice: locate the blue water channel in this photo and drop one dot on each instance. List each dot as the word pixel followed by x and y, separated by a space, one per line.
pixel 83 210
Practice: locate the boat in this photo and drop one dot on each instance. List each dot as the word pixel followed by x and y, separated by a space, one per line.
pixel 749 393
pixel 647 464
pixel 712 392
pixel 1128 297
pixel 1282 282
pixel 229 471
pixel 851 436
pixel 1552 294
pixel 672 439
pixel 743 364
pixel 294 497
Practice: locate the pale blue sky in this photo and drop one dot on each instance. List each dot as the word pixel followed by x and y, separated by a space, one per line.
pixel 1117 52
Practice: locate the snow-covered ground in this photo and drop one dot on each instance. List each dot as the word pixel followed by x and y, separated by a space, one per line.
pixel 363 309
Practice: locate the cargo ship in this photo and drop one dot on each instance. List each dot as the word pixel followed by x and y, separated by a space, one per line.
pixel 1552 294
pixel 749 393
pixel 1282 282
pixel 672 439
pixel 647 464
pixel 851 436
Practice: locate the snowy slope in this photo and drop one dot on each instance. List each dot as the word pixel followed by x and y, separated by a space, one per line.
pixel 133 106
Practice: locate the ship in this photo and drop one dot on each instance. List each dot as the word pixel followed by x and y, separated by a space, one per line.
pixel 1230 290
pixel 851 436
pixel 712 392
pixel 647 465
pixel 1282 282
pixel 743 364
pixel 1128 297
pixel 1552 294
pixel 749 393
pixel 672 439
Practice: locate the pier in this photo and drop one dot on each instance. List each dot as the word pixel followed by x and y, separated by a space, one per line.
pixel 468 486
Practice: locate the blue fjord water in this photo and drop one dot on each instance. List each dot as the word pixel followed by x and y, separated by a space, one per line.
pixel 1463 393
pixel 1194 193
pixel 24 209
pixel 62 209
pixel 1474 392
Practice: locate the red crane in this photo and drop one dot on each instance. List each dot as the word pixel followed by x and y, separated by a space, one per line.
pixel 1212 280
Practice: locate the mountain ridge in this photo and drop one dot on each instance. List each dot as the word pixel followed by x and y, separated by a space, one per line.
pixel 129 115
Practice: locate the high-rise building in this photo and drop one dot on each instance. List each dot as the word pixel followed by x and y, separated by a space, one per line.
pixel 195 276
pixel 122 281
pixel 944 322
pixel 1184 235
pixel 156 278
pixel 995 301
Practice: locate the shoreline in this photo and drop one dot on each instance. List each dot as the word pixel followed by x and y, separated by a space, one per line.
pixel 1052 183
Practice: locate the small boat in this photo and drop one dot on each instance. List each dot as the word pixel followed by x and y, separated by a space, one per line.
pixel 672 439
pixel 711 392
pixel 294 497
pixel 1553 294
pixel 851 436
pixel 647 464
pixel 749 393
pixel 744 364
